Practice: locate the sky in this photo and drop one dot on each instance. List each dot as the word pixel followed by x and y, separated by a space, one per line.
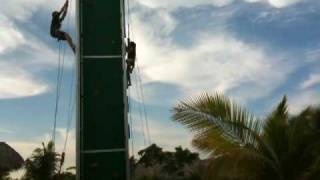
pixel 253 51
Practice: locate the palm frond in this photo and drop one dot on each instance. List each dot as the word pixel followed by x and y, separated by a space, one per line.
pixel 212 143
pixel 276 133
pixel 217 115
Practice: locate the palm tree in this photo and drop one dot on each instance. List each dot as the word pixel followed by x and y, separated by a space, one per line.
pixel 43 163
pixel 279 147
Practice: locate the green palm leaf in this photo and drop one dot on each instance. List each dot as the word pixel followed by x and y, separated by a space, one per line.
pixel 215 118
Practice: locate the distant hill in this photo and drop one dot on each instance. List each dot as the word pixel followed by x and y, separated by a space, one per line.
pixel 9 158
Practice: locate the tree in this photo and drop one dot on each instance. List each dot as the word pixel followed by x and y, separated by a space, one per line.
pixel 43 163
pixel 154 163
pixel 151 155
pixel 243 147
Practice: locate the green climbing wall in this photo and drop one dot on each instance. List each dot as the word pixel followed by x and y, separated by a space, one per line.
pixel 102 138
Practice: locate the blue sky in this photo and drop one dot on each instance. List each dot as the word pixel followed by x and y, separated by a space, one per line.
pixel 254 51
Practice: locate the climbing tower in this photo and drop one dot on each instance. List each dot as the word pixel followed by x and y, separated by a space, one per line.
pixel 102 150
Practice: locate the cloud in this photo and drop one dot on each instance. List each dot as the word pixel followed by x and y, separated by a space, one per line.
pixel 283 3
pixel 302 99
pixel 216 60
pixel 14 12
pixel 16 83
pixel 71 146
pixel 174 4
pixel 277 3
pixel 24 55
pixel 314 79
pixel 174 136
pixel 9 36
pixel 6 131
pixel 22 10
pixel 25 148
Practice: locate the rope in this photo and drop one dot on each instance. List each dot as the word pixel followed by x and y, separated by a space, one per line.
pixel 139 90
pixel 131 125
pixel 70 108
pixel 70 112
pixel 59 87
pixel 128 18
pixel 140 113
pixel 143 103
pixel 57 95
pixel 56 100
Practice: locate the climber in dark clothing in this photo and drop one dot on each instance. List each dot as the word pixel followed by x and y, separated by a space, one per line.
pixel 57 18
pixel 131 49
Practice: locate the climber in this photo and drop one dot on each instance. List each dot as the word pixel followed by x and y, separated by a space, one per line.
pixel 57 18
pixel 131 49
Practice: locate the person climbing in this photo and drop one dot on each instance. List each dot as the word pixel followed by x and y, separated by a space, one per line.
pixel 57 18
pixel 131 49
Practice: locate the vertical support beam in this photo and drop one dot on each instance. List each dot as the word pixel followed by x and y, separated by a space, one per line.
pixel 102 128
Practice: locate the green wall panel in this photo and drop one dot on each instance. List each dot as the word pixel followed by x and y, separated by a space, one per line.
pixel 103 153
pixel 95 167
pixel 101 27
pixel 103 81
pixel 103 104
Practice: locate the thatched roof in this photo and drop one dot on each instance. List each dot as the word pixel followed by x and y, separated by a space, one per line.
pixel 9 158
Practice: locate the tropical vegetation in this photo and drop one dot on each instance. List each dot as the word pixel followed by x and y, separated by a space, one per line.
pixel 244 147
pixel 44 164
pixel 154 163
pixel 237 144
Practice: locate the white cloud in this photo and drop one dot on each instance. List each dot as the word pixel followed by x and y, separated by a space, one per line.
pixel 282 3
pixel 29 55
pixel 302 99
pixel 15 83
pixel 25 148
pixel 216 61
pixel 174 136
pixel 313 80
pixel 71 146
pixel 23 9
pixel 174 4
pixel 9 36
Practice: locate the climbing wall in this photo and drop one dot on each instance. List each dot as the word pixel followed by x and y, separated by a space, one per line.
pixel 102 123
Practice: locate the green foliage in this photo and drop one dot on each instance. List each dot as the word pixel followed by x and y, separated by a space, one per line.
pixel 43 165
pixel 154 163
pixel 281 147
pixel 216 120
pixel 152 155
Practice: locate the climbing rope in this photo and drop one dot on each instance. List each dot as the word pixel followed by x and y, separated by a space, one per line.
pixel 58 89
pixel 140 119
pixel 128 17
pixel 71 107
pixel 131 124
pixel 144 122
pixel 143 104
pixel 141 107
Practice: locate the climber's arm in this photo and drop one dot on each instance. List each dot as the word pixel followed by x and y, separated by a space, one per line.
pixel 64 10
